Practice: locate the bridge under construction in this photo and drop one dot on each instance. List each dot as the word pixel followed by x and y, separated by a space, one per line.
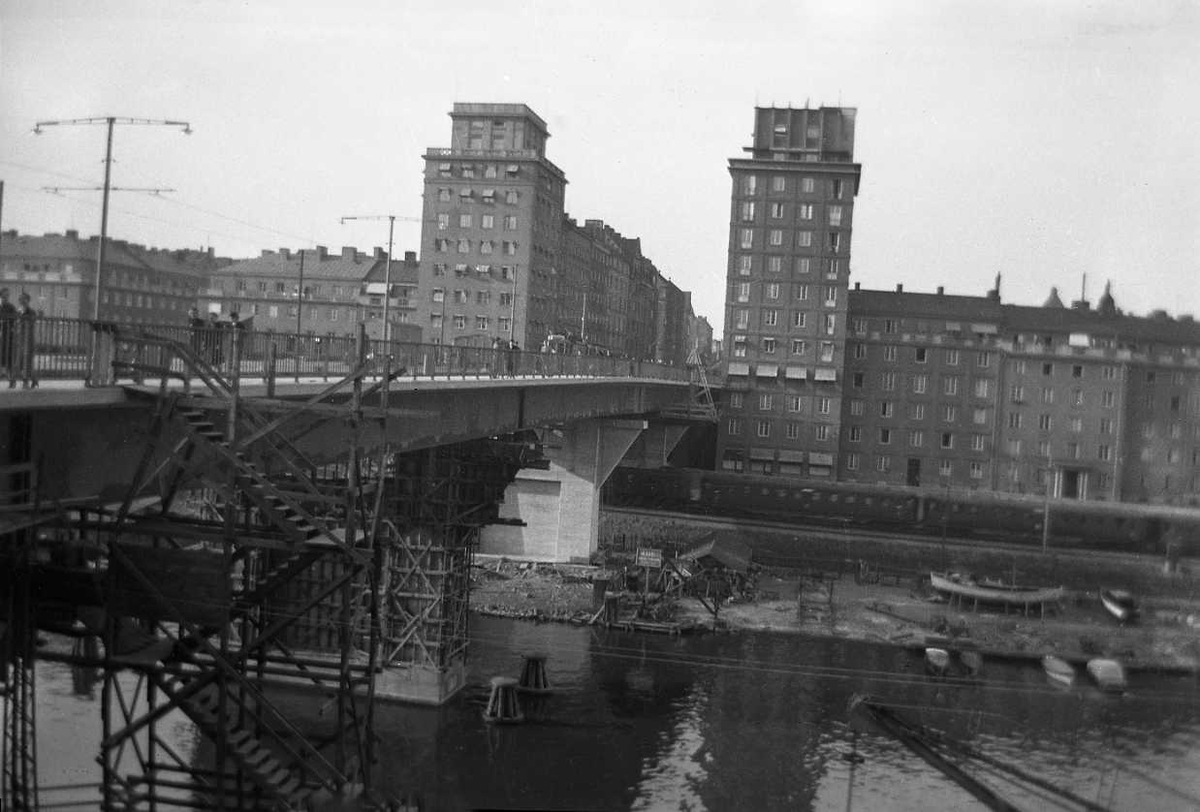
pixel 253 541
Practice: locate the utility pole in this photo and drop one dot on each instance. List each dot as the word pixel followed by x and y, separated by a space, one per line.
pixel 299 301
pixel 1046 506
pixel 387 273
pixel 110 122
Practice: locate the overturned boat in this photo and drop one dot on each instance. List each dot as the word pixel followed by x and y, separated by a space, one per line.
pixel 962 587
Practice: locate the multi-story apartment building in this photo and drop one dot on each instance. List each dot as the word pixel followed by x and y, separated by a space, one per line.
pixel 493 211
pixel 140 285
pixel 501 260
pixel 791 213
pixel 314 291
pixel 948 391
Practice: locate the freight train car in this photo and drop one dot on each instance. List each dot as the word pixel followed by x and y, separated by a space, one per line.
pixel 964 514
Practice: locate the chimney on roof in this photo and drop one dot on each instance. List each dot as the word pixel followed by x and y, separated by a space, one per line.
pixel 286 253
pixel 410 256
pixel 72 234
pixel 322 252
pixel 266 252
pixel 858 285
pixel 899 288
pixel 211 252
pixel 1187 318
pixel 941 290
pixel 1159 315
pixel 379 253
pixel 349 252
pixel 1082 305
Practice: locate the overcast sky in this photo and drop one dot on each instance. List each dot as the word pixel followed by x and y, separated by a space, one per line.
pixel 1040 140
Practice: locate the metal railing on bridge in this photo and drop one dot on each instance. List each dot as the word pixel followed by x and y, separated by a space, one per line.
pixel 95 353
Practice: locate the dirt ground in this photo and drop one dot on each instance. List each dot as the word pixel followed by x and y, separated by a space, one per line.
pixel 1166 636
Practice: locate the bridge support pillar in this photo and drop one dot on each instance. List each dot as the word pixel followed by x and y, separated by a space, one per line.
pixel 560 507
pixel 653 448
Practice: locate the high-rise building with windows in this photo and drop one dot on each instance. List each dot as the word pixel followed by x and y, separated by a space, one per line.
pixel 491 233
pixel 791 216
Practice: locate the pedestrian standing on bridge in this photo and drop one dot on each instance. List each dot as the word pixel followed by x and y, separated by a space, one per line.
pixel 8 321
pixel 24 340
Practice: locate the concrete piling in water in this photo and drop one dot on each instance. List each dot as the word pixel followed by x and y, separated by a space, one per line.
pixel 533 675
pixel 503 706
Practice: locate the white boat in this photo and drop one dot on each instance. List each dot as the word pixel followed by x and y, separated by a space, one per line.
pixel 970 664
pixel 1058 670
pixel 1119 603
pixel 1109 675
pixel 992 593
pixel 937 660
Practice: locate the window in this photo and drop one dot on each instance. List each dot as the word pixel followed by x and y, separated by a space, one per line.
pixel 745 237
pixel 830 324
pixel 775 264
pixel 464 221
pixel 952 357
pixel 1107 399
pixel 949 413
pixel 460 322
pixel 803 265
pixel 799 346
pixel 443 195
pixel 765 402
pixel 443 221
pixel 1076 424
pixel 735 426
pixel 1073 451
pixel 856 380
pixel 835 242
pixel 916 438
pixel 831 296
pixel 487 220
pixel 1014 449
pixel 489 195
pixel 916 411
pixel 920 383
pixel 886 408
pixel 950 385
pixel 799 318
pixel 807 185
pixel 763 428
pixel 1017 394
pixel 979 417
pixel 1106 425
pixel 776 211
pixel 947 439
pixel 1047 369
pixel 852 462
pixel 773 293
pixel 735 400
pixel 510 248
pixel 743 292
pixel 1077 371
pixel 1104 453
pixel 801 292
pixel 883 464
pixel 889 325
pixel 827 352
pixel 887 381
pixel 983 359
pixel 770 317
pixel 749 184
pixel 748 211
pixel 885 436
pixel 920 355
pixel 855 434
pixel 945 467
pixel 835 215
pixel 793 403
pixel 510 196
pixel 822 433
pixel 487 246
pixel 860 351
pixel 768 346
pixel 1045 422
pixel 982 388
pixel 1076 397
pixel 803 239
pixel 778 183
pixel 835 188
pixel 805 211
pixel 464 246
pixel 977 442
pixel 510 222
pixel 1108 373
pixel 775 236
pixel 793 431
pixel 481 323
pixel 823 405
pixel 856 408
pixel 1047 394
pixel 745 265
pixel 976 469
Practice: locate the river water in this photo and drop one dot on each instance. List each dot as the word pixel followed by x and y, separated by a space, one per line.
pixel 750 721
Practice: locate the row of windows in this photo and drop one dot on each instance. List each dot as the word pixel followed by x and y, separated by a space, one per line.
pixel 921 355
pixel 466 220
pixel 772 291
pixel 462 269
pixel 459 322
pixel 803 266
pixel 467 195
pixel 792 430
pixel 948 412
pixel 482 297
pixel 470 170
pixel 464 246
pixel 784 184
pixel 883 464
pixel 916 438
pixel 824 405
pixel 919 383
pixel 775 239
pixel 804 213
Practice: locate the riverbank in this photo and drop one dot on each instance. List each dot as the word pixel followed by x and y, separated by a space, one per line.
pixel 1166 636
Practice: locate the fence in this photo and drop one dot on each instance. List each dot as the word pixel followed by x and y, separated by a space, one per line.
pixel 96 352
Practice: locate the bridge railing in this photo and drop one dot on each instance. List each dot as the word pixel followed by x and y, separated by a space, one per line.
pixel 83 350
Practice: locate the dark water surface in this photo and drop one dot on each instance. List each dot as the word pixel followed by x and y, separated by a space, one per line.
pixel 728 722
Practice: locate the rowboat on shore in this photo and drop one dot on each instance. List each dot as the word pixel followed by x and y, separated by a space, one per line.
pixel 959 586
pixel 937 660
pixel 1058 670
pixel 1109 675
pixel 970 663
pixel 1120 604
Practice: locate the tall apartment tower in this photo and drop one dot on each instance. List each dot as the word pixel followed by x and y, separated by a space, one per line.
pixel 491 229
pixel 791 213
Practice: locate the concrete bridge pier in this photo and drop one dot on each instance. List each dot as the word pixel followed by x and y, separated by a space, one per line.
pixel 560 507
pixel 654 447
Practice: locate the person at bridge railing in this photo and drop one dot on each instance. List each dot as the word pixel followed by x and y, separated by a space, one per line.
pixel 24 332
pixel 8 321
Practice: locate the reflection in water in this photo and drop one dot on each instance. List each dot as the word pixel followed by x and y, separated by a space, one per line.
pixel 717 722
